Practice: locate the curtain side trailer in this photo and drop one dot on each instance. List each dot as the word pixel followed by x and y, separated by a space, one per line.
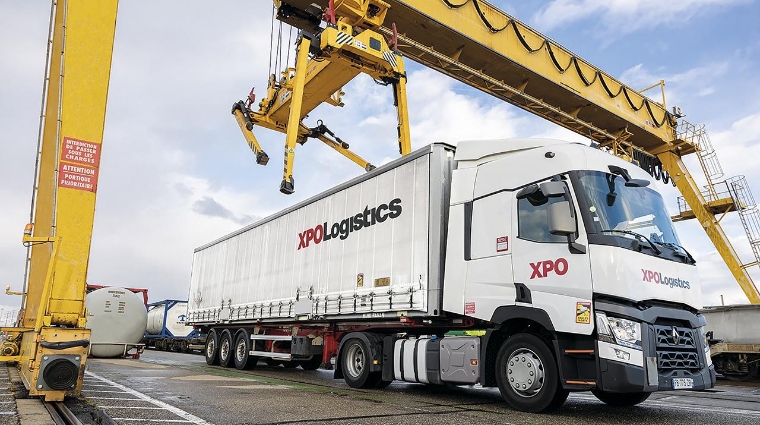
pixel 538 266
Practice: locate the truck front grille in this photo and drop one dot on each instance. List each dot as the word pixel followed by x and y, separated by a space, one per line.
pixel 676 348
pixel 669 360
pixel 675 337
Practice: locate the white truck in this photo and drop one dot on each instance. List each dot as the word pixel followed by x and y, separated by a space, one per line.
pixel 558 251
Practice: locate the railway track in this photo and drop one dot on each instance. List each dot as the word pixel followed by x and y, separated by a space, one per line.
pixel 61 414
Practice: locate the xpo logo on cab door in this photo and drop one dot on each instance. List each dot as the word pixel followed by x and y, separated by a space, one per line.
pixel 542 269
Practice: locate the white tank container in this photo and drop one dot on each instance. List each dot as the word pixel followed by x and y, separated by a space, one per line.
pixel 116 317
pixel 736 324
pixel 175 318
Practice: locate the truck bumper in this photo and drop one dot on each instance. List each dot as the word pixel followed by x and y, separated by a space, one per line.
pixel 619 377
pixel 671 349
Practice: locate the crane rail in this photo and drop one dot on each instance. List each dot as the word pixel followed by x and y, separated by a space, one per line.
pixel 61 414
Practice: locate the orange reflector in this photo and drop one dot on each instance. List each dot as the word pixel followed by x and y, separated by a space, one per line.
pixel 474 362
pixel 375 362
pixel 28 229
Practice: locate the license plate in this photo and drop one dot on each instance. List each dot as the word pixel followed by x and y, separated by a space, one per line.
pixel 683 383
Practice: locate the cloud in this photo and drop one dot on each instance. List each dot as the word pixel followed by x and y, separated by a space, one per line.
pixel 210 207
pixel 679 86
pixel 625 16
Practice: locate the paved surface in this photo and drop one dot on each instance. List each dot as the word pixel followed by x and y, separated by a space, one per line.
pixel 181 388
pixel 8 414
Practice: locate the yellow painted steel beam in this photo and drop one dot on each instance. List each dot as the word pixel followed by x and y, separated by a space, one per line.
pixel 718 206
pixel 291 136
pixel 53 320
pixel 356 159
pixel 69 168
pixel 497 45
pixel 673 164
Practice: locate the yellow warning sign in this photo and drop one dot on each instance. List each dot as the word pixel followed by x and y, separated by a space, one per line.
pixel 583 313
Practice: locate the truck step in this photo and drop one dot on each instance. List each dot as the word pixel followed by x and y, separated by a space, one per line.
pixel 271 337
pixel 278 356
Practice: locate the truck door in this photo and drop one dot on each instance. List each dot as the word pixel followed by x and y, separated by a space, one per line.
pixel 549 273
pixel 488 255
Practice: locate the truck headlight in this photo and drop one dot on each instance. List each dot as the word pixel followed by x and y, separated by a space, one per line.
pixel 703 337
pixel 624 332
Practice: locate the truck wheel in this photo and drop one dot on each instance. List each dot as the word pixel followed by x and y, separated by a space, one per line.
pixel 526 373
pixel 621 399
pixel 226 349
pixel 242 359
pixel 212 348
pixel 355 364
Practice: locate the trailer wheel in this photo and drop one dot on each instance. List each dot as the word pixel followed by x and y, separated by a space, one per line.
pixel 243 360
pixel 621 399
pixel 355 364
pixel 527 375
pixel 212 348
pixel 226 349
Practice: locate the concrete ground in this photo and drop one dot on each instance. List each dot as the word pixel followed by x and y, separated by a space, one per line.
pixel 180 388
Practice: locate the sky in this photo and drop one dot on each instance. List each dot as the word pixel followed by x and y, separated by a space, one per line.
pixel 176 173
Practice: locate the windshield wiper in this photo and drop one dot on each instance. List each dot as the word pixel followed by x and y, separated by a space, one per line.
pixel 637 236
pixel 677 249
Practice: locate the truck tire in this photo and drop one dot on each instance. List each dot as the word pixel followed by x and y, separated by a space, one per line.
pixel 243 360
pixel 621 399
pixel 355 364
pixel 226 349
pixel 527 375
pixel 212 348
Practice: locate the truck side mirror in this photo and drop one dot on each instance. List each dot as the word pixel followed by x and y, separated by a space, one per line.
pixel 552 189
pixel 561 221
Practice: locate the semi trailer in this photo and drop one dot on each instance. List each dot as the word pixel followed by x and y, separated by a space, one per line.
pixel 167 330
pixel 734 338
pixel 563 254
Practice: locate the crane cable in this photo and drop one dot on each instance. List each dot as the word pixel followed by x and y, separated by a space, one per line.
pixel 652 165
pixel 574 62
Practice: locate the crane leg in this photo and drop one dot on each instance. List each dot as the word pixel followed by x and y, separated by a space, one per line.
pixel 294 118
pixel 356 159
pixel 241 113
pixel 402 110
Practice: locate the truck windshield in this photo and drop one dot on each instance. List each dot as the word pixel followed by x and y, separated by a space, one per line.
pixel 611 205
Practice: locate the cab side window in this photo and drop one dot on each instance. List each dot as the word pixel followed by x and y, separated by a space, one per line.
pixel 532 219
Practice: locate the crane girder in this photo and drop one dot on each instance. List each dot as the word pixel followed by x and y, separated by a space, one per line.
pixel 477 36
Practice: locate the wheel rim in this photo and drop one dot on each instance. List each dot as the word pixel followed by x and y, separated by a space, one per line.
pixel 210 348
pixel 355 360
pixel 224 349
pixel 240 351
pixel 525 372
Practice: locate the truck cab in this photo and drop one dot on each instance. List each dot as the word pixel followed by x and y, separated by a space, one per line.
pixel 573 246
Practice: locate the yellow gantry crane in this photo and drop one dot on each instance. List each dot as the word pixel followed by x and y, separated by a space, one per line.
pixel 469 40
pixel 50 342
pixel 483 47
pixel 326 60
